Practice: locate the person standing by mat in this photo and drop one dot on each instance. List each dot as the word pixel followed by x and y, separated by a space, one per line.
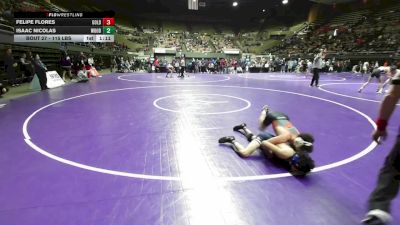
pixel 377 72
pixel 393 73
pixel 317 66
pixel 40 70
pixel 182 67
pixel 170 70
pixel 389 175
pixel 66 64
pixel 9 66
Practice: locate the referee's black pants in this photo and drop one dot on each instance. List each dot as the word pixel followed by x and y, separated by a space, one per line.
pixel 315 77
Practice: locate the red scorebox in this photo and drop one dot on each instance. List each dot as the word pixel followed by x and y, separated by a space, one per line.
pixel 108 22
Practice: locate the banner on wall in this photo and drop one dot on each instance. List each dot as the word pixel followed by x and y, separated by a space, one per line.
pixel 164 50
pixel 231 51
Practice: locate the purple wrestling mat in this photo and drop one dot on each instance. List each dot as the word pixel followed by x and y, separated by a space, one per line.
pixel 142 149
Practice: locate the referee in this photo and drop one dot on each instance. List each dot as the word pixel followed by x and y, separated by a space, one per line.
pixel 317 66
pixel 182 65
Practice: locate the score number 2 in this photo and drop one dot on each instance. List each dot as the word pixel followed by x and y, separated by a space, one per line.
pixel 108 30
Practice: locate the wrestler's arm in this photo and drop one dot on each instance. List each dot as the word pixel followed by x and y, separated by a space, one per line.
pixel 283 135
pixel 270 146
pixel 387 107
pixel 276 150
pixel 282 138
pixel 389 102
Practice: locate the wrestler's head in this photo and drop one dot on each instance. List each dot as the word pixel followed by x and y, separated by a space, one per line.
pixel 301 164
pixel 393 70
pixel 304 142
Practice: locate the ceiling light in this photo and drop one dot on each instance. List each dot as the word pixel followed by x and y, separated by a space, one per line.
pixel 285 2
pixel 234 4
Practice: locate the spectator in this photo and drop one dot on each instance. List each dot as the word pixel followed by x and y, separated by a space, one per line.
pixel 40 70
pixel 113 63
pixel 30 59
pixel 89 62
pixel 25 67
pixel 3 89
pixel 156 64
pixel 9 66
pixel 79 63
pixel 66 64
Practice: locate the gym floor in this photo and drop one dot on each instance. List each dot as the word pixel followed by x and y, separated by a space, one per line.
pixel 143 149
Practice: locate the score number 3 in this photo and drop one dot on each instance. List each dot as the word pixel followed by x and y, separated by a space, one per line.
pixel 108 22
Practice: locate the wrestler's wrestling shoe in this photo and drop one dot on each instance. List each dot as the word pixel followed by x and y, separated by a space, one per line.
pixel 239 127
pixel 266 108
pixel 377 217
pixel 227 139
pixel 372 220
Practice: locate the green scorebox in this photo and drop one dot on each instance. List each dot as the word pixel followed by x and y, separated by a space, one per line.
pixel 108 30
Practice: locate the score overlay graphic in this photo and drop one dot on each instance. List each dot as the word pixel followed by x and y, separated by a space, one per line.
pixel 64 26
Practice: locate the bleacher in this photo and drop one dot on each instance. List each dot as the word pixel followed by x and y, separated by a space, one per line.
pixel 348 19
pixel 258 41
pixel 197 42
pixel 359 33
pixel 203 29
pixel 301 38
pixel 171 27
